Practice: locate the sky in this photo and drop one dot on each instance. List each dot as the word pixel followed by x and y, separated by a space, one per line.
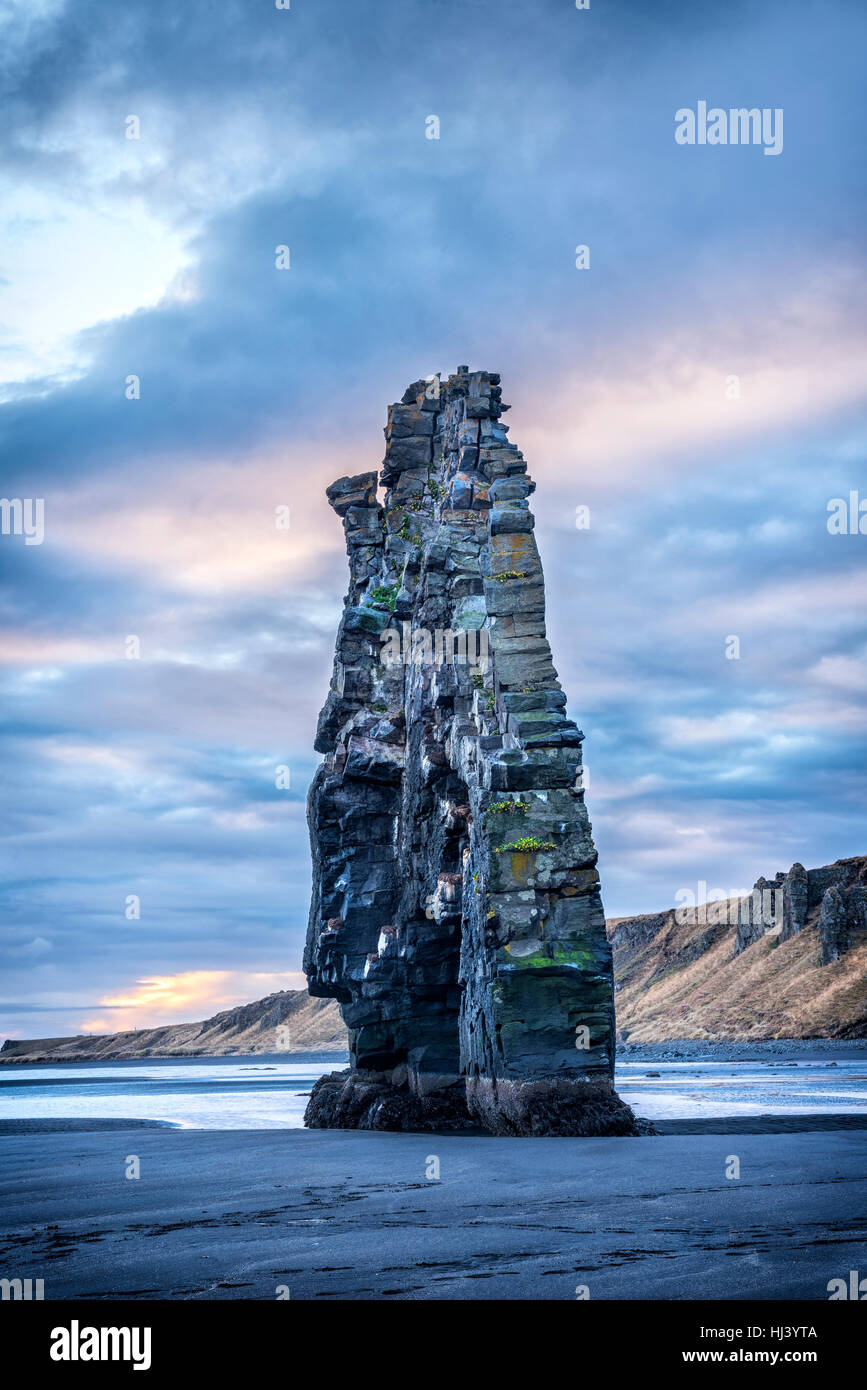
pixel 699 386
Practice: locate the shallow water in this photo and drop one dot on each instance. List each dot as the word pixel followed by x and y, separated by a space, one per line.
pixel 270 1092
pixel 258 1092
pixel 695 1090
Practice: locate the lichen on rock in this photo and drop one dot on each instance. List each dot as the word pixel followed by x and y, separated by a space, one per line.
pixel 468 956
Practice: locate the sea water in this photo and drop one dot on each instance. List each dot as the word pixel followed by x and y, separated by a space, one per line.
pixel 270 1092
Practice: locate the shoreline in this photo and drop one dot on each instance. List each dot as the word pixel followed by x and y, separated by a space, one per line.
pixel 811 1122
pixel 674 1049
pixel 254 1059
pixel 758 1050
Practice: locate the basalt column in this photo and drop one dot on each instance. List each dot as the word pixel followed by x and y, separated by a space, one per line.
pixel 456 913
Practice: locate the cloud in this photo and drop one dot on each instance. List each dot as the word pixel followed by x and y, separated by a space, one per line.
pixel 210 530
pixel 661 401
pixel 843 672
pixel 186 998
pixel 38 946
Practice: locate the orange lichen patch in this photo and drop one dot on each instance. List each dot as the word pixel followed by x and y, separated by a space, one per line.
pixel 520 865
pixel 515 551
pixel 579 881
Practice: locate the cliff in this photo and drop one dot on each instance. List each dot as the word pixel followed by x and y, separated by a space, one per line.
pixel 787 961
pixel 286 1022
pixel 456 913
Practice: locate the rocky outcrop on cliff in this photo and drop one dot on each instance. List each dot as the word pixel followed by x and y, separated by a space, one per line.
pixel 788 960
pixel 791 901
pixel 289 1021
pixel 796 897
pixel 456 912
pixel 842 920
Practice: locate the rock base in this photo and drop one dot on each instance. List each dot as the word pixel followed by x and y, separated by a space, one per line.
pixel 556 1107
pixel 372 1100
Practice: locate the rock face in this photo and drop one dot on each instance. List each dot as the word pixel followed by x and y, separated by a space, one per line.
pixel 842 919
pixel 796 894
pixel 456 913
pixel 833 898
pixel 784 905
pixel 757 914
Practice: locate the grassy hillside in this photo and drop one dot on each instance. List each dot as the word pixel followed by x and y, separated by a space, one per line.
pixel 286 1022
pixel 682 981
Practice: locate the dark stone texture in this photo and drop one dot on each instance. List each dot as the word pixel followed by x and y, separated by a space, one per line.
pixel 842 918
pixel 374 1100
pixel 456 912
pixel 757 915
pixel 796 896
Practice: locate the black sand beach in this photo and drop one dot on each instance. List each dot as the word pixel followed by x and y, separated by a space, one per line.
pixel 338 1215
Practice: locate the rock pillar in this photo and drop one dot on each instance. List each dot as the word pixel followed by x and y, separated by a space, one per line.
pixel 456 912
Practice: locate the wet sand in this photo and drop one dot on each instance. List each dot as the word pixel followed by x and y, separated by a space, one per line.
pixel 339 1215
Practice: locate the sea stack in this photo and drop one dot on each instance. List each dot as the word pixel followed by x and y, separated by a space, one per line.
pixel 456 913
